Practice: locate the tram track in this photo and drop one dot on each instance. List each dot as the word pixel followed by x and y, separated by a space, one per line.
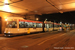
pixel 31 41
pixel 45 35
pixel 28 40
pixel 41 39
pixel 62 43
pixel 34 36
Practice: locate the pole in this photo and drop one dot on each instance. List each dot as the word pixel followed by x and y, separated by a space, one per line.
pixel 43 26
pixel 53 25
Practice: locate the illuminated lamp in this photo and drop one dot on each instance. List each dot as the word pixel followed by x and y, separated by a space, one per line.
pixel 6 19
pixel 37 19
pixel 6 3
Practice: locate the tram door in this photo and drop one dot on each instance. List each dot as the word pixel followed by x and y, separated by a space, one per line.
pixel 0 24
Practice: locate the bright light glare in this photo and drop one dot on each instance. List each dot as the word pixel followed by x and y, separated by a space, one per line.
pixel 73 4
pixel 6 7
pixel 6 1
pixel 6 19
pixel 69 6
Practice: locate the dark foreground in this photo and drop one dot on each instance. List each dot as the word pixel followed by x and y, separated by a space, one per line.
pixel 41 41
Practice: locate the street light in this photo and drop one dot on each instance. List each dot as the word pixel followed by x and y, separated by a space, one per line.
pixel 37 18
pixel 6 19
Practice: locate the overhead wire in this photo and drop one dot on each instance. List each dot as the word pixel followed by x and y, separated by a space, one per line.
pixel 59 4
pixel 62 3
pixel 51 4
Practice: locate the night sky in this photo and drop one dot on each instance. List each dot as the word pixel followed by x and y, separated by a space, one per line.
pixel 66 17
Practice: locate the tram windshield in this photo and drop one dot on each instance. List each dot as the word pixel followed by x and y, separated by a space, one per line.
pixel 48 25
pixel 11 24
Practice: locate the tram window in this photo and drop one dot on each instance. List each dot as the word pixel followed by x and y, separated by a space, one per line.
pixel 11 24
pixel 34 24
pixel 48 25
pixel 58 25
pixel 28 24
pixel 38 25
pixel 45 25
pixel 51 25
pixel 55 25
pixel 21 24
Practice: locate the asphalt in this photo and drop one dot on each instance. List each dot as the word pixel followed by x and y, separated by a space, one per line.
pixel 55 40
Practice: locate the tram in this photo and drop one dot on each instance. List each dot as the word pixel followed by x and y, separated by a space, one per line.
pixel 18 25
pixel 49 26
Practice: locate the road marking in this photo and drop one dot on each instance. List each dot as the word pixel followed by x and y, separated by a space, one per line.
pixel 49 39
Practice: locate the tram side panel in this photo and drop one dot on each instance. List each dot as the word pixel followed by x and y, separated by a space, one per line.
pixel 49 27
pixel 32 27
pixel 19 27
